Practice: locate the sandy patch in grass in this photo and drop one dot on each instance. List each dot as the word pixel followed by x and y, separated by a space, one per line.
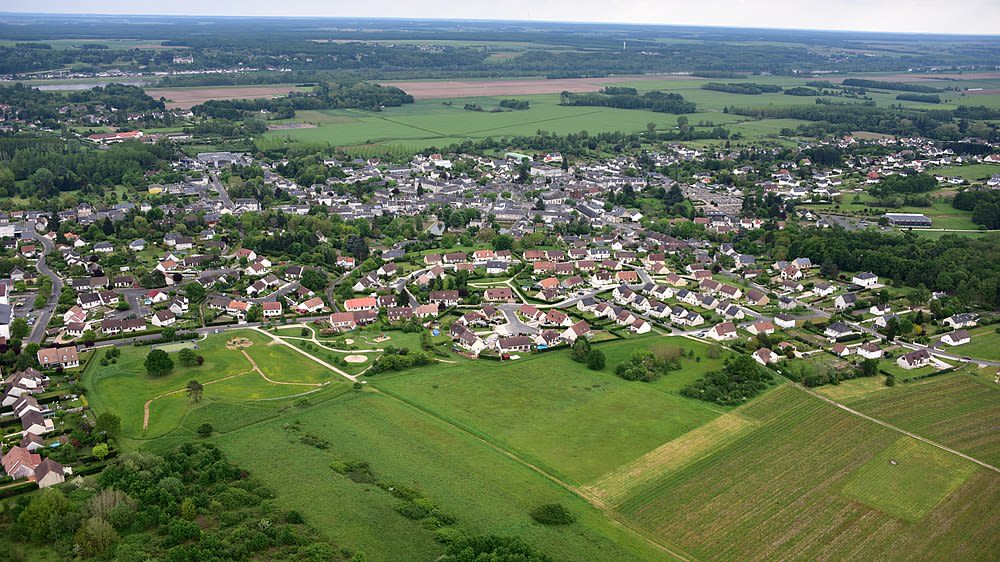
pixel 671 456
pixel 355 359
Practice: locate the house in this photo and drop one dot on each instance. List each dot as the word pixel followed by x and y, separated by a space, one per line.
pixel 840 350
pixel 157 296
pixel 426 310
pixel 49 473
pixel 845 301
pixel 499 294
pixel 838 330
pixel 963 320
pixel 496 267
pixel 362 303
pixel 866 279
pixel 530 313
pixel 784 320
pixel 578 330
pixel 388 270
pixel 761 327
pixel 823 289
pixel 879 309
pixel 179 305
pixel 342 321
pixel 54 357
pixel 237 308
pixel 399 313
pixel 19 462
pixel 445 298
pixel 316 304
pixel 958 337
pixel 723 331
pixel 514 344
pixel 164 318
pixel 869 350
pixel 765 356
pixel 639 326
pixel 914 359
pixel 557 318
pixel 271 309
pixel 467 339
pixel 74 314
pixel 757 298
pixel 346 262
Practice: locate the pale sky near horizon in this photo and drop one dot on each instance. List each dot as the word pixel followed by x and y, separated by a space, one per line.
pixel 925 16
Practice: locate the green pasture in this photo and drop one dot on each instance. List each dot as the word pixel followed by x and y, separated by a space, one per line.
pixel 485 490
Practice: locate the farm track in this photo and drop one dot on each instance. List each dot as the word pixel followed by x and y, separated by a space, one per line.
pixel 888 425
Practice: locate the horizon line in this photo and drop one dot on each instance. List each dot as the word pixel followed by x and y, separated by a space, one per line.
pixel 484 20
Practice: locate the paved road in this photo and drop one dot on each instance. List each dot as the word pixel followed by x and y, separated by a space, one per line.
pixel 227 201
pixel 45 314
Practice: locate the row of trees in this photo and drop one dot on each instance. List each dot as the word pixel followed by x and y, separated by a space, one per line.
pixel 629 98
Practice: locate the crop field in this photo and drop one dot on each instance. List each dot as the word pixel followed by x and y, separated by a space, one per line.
pixel 574 422
pixel 439 119
pixel 908 479
pixel 228 377
pixel 959 410
pixel 776 492
pixel 186 98
pixel 485 490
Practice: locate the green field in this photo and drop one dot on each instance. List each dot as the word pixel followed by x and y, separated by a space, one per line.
pixel 908 479
pixel 649 474
pixel 959 410
pixel 484 489
pixel 985 344
pixel 970 172
pixel 574 422
pixel 227 376
pixel 776 493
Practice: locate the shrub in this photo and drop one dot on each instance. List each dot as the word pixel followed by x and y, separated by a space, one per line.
pixel 552 514
pixel 205 429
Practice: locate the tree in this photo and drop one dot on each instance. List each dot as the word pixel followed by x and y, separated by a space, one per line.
pixel 195 390
pixel 188 509
pixel 581 349
pixel 503 242
pixel 195 292
pixel 491 548
pixel 314 279
pixel 19 328
pixel 187 357
pixel 95 537
pixel 100 451
pixel 205 429
pixel 42 514
pixel 595 360
pixel 158 363
pixel 357 247
pixel 108 424
pixel 552 514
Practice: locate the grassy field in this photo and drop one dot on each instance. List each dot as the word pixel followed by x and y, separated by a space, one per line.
pixel 776 493
pixel 908 479
pixel 971 172
pixel 985 344
pixel 574 422
pixel 228 378
pixel 960 410
pixel 485 490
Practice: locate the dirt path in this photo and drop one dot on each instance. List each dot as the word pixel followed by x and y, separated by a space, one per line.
pixel 897 429
pixel 280 341
pixel 145 407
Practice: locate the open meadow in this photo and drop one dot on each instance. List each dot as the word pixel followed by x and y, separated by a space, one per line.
pixel 647 473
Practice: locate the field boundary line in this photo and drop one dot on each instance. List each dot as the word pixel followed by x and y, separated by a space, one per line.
pixel 888 425
pixel 595 502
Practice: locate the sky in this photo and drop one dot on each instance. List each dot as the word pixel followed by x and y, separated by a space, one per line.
pixel 925 16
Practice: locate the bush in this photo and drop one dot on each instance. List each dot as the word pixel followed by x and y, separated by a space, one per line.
pixel 552 514
pixel 596 360
pixel 205 429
